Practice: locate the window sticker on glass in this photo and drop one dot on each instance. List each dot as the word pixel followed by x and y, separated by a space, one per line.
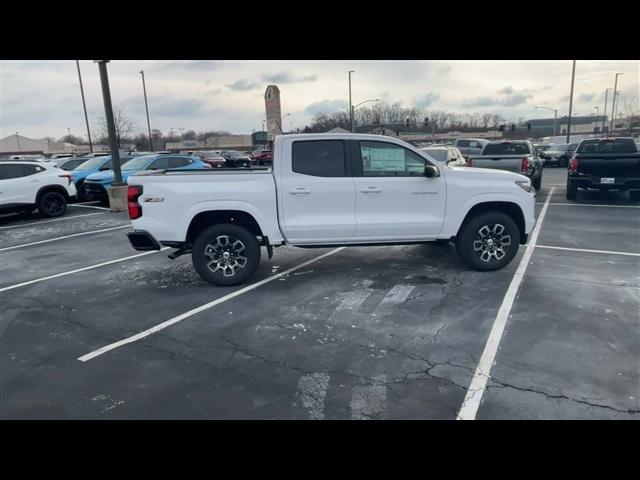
pixel 385 159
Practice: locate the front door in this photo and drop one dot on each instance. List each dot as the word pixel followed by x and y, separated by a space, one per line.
pixel 394 200
pixel 317 194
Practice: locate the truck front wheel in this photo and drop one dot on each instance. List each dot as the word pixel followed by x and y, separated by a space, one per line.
pixel 488 241
pixel 226 254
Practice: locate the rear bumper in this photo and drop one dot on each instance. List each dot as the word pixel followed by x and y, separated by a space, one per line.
pixel 143 240
pixel 621 183
pixel 95 191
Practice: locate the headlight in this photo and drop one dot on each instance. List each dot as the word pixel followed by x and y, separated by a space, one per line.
pixel 524 184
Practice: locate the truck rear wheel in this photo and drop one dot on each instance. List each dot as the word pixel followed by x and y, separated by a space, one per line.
pixel 634 195
pixel 488 241
pixel 226 254
pixel 537 182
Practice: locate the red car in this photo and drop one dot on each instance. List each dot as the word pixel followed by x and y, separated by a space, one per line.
pixel 262 158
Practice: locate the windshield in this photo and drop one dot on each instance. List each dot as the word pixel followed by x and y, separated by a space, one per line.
pixel 618 145
pixel 137 163
pixel 89 164
pixel 439 154
pixel 560 147
pixel 506 148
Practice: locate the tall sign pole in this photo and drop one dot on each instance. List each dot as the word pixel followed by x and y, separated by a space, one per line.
pixel 350 104
pixel 573 77
pixel 84 106
pixel 273 111
pixel 146 106
pixel 604 117
pixel 111 125
pixel 613 101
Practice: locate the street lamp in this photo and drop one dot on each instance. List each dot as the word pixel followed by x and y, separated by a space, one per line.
pixel 606 95
pixel 350 104
pixel 84 106
pixel 555 119
pixel 353 109
pixel 613 106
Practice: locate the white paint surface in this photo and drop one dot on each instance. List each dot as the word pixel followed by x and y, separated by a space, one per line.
pixel 19 225
pixel 83 269
pixel 206 306
pixel 64 237
pixel 607 252
pixel 588 205
pixel 471 403
pixel 312 390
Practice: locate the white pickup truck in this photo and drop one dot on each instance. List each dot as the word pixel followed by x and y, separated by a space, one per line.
pixel 327 190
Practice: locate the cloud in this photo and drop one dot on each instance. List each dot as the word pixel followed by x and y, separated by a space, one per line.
pixel 326 106
pixel 243 85
pixel 517 99
pixel 506 90
pixel 287 77
pixel 511 100
pixel 426 100
pixel 479 102
pixel 586 97
pixel 175 108
pixel 444 70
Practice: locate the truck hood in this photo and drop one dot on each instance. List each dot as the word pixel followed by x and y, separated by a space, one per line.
pixel 474 172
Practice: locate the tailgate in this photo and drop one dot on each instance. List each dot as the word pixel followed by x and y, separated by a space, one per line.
pixel 619 165
pixel 502 162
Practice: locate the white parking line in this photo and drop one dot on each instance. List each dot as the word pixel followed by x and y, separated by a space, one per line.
pixel 202 308
pixel 589 205
pixel 71 272
pixel 590 251
pixel 48 221
pixel 62 238
pixel 472 400
pixel 88 206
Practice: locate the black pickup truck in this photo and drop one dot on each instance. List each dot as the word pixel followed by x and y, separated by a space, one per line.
pixel 605 164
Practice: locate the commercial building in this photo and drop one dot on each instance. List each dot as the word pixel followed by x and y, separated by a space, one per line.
pixel 18 145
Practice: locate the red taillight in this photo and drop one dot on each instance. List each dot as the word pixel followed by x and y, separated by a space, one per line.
pixel 469 162
pixel 68 177
pixel 135 209
pixel 524 167
pixel 574 165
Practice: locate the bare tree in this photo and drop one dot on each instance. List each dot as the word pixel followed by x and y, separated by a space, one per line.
pixel 124 124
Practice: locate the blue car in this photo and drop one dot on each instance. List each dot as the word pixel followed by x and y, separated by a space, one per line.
pixel 92 165
pixel 96 184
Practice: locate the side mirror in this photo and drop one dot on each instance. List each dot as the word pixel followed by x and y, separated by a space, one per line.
pixel 431 171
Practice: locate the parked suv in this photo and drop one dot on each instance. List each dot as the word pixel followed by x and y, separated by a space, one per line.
pixel 558 154
pixel 25 186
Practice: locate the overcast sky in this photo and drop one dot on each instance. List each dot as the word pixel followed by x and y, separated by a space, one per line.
pixel 42 98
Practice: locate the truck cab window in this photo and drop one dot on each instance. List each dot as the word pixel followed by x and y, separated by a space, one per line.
pixel 381 159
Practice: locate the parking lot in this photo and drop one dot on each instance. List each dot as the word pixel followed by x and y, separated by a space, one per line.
pixel 94 329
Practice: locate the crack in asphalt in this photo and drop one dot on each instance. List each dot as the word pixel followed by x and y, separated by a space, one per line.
pixel 558 397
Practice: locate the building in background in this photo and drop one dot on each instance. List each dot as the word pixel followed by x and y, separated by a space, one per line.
pixel 230 142
pixel 17 144
pixel 184 145
pixel 260 140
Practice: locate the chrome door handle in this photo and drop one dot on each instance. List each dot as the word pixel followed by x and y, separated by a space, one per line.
pixel 300 191
pixel 371 190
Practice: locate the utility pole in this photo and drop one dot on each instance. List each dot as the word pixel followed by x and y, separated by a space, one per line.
pixel 84 106
pixel 615 105
pixel 111 126
pixel 350 104
pixel 146 106
pixel 606 95
pixel 573 77
pixel 613 100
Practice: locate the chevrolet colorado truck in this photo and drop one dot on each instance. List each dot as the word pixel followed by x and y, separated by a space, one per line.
pixel 605 164
pixel 325 190
pixel 515 156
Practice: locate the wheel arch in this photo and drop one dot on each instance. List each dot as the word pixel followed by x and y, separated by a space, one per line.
pixel 49 188
pixel 512 209
pixel 208 218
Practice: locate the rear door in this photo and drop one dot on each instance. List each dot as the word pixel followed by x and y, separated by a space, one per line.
pixel 20 183
pixel 394 200
pixel 317 192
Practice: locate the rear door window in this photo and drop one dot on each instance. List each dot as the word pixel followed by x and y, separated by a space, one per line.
pixel 319 158
pixel 179 162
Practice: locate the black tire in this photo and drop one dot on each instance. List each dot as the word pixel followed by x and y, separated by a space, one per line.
pixel 210 247
pixel 52 204
pixel 572 192
pixel 488 224
pixel 634 195
pixel 82 193
pixel 537 182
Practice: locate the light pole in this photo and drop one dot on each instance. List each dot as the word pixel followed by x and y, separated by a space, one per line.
pixel 597 108
pixel 350 105
pixel 613 101
pixel 84 106
pixel 263 125
pixel 69 134
pixel 555 119
pixel 353 110
pixel 573 77
pixel 606 95
pixel 614 113
pixel 146 106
